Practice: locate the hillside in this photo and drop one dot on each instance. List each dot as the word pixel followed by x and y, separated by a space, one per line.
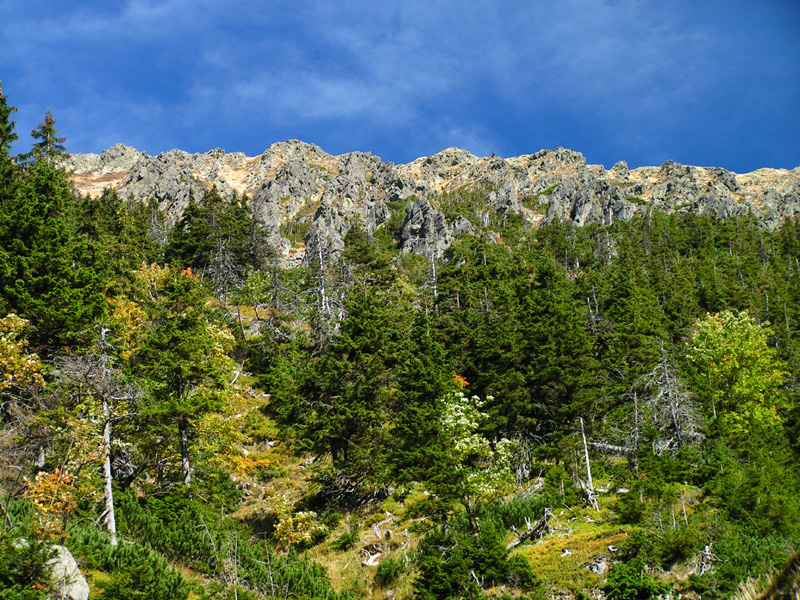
pixel 481 378
pixel 295 182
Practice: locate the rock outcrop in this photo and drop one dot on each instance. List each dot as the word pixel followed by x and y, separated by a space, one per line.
pixel 426 232
pixel 299 183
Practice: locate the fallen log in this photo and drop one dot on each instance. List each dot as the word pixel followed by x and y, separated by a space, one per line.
pixel 536 530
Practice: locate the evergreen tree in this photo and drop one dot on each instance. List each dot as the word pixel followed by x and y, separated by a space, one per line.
pixel 48 146
pixel 7 134
pixel 182 355
pixel 219 239
pixel 8 171
pixel 46 277
pixel 353 389
pixel 423 378
pixel 115 238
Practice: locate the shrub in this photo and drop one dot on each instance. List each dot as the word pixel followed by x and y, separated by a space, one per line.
pixel 389 571
pixel 23 575
pixel 346 541
pixel 138 573
pixel 629 581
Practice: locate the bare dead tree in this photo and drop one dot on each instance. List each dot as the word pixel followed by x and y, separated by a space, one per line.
pixel 672 410
pixel 224 272
pixel 588 489
pixel 664 414
pixel 93 380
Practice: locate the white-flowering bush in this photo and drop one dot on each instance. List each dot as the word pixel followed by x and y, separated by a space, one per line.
pixel 483 469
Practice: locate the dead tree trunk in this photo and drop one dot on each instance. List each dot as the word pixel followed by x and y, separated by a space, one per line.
pixel 536 530
pixel 589 489
pixel 108 491
pixel 183 428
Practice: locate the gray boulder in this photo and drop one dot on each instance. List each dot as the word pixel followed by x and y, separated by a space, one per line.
pixel 69 582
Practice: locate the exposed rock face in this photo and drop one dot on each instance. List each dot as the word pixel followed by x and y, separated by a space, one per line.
pixel 426 232
pixel 67 578
pixel 298 182
pixel 585 200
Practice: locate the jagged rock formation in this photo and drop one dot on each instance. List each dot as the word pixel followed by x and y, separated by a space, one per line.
pixel 426 231
pixel 300 183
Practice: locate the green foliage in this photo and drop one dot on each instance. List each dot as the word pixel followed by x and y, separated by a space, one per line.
pixel 117 237
pixel 23 571
pixel 140 574
pixel 364 251
pixel 7 134
pixel 182 354
pixel 218 238
pixel 738 372
pixel 49 146
pixel 389 571
pixel 759 492
pixel 448 557
pixel 187 530
pixel 514 512
pixel 47 277
pixel 339 401
pixel 741 556
pixel 359 357
pixel 631 509
pixel 387 234
pixel 470 470
pixel 630 581
pixel 346 541
pixel 549 190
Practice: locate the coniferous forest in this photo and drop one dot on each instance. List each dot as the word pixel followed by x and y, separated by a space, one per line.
pixel 554 411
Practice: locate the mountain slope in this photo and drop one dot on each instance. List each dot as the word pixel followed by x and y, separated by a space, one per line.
pixel 295 182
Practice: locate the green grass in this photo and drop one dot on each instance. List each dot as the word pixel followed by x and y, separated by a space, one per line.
pixel 635 200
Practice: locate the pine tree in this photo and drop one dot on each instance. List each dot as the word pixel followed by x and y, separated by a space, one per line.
pixel 182 356
pixel 49 146
pixel 46 278
pixel 7 134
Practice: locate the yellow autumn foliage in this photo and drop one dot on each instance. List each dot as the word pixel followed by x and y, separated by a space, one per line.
pixel 18 369
pixel 52 497
pixel 295 528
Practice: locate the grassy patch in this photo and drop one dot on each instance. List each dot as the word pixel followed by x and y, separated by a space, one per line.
pixel 635 200
pixel 294 231
pixel 580 536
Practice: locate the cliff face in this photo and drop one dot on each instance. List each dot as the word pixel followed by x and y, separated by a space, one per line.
pixel 298 182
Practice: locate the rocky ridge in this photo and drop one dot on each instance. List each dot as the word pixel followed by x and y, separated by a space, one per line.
pixel 296 182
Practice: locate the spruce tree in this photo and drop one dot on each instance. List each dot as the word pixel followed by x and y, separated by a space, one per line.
pixel 181 357
pixel 219 239
pixel 8 174
pixel 48 146
pixel 7 134
pixel 46 278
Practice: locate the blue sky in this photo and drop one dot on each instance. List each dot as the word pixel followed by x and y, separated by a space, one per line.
pixel 698 82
